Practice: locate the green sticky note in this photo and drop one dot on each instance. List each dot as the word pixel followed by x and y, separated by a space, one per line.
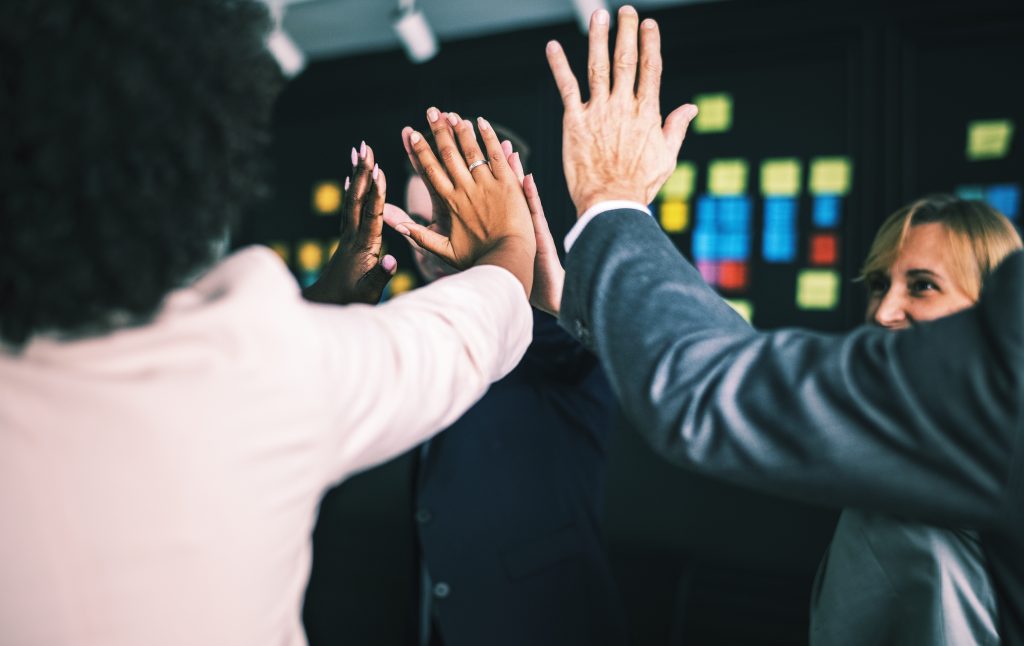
pixel 743 307
pixel 727 177
pixel 680 183
pixel 674 216
pixel 989 139
pixel 715 112
pixel 817 289
pixel 781 177
pixel 831 175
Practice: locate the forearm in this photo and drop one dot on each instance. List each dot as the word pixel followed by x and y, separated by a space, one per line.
pixel 516 255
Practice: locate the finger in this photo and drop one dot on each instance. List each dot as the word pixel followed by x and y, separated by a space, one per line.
pixel 432 172
pixel 428 240
pixel 416 166
pixel 625 52
pixel 355 197
pixel 517 166
pixel 373 282
pixel 470 148
pixel 568 88
pixel 649 84
pixel 598 68
pixel 495 155
pixel 675 127
pixel 451 158
pixel 506 147
pixel 372 222
pixel 540 222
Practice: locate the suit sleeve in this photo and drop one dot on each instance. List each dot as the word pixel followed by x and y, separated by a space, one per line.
pixel 922 423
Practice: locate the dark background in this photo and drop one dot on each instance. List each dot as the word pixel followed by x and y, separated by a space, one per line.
pixel 892 85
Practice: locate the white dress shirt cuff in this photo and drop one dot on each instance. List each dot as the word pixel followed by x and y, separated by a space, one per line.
pixel 597 210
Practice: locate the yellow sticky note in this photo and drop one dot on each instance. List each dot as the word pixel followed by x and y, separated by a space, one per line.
pixel 332 246
pixel 781 177
pixel 326 197
pixel 743 307
pixel 727 177
pixel 283 250
pixel 831 175
pixel 401 283
pixel 310 256
pixel 715 112
pixel 675 216
pixel 989 139
pixel 817 289
pixel 680 183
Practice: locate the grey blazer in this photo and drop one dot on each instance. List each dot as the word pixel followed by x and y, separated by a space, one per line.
pixel 925 424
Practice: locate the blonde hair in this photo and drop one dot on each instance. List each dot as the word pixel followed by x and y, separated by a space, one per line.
pixel 979 238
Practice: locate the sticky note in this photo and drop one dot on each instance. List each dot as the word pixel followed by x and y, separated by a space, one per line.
pixel 708 271
pixel 732 246
pixel 733 214
pixel 310 256
pixel 742 307
pixel 779 247
pixel 680 184
pixel 830 175
pixel 732 275
pixel 674 216
pixel 779 213
pixel 781 177
pixel 824 249
pixel 727 177
pixel 704 245
pixel 989 139
pixel 326 197
pixel 707 212
pixel 817 289
pixel 715 112
pixel 825 213
pixel 1004 198
pixel 283 250
pixel 970 192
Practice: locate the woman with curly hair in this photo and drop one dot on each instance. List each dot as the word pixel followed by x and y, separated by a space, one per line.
pixel 169 419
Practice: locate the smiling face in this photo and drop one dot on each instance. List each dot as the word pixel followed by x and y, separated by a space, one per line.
pixel 920 284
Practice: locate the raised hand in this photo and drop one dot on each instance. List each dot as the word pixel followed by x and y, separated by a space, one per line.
pixel 615 146
pixel 490 219
pixel 356 273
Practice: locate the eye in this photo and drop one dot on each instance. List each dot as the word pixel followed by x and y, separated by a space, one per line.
pixel 922 286
pixel 877 285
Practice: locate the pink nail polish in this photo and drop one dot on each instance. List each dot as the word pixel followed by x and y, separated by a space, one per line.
pixel 362 150
pixel 483 123
pixel 415 137
pixel 601 17
pixel 402 229
pixel 432 114
pixel 355 158
pixel 376 170
pixel 389 264
pixel 348 182
pixel 453 119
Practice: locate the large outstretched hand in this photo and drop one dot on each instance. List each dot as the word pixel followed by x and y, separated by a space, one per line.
pixel 357 273
pixel 615 146
pixel 489 217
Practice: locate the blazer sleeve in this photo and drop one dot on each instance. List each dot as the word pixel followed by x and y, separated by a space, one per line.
pixel 923 423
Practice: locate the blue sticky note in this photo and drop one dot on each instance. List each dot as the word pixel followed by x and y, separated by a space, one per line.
pixel 734 246
pixel 734 213
pixel 779 247
pixel 706 211
pixel 704 245
pixel 1004 198
pixel 779 213
pixel 825 213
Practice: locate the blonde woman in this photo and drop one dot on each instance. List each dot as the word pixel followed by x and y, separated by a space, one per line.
pixel 885 579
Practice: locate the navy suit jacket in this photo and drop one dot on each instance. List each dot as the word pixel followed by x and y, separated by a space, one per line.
pixel 509 504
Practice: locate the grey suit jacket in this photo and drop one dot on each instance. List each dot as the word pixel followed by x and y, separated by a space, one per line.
pixel 925 423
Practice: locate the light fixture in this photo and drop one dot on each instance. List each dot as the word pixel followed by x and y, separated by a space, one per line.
pixel 414 32
pixel 288 54
pixel 585 9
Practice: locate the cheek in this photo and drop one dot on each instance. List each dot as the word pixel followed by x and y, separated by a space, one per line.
pixel 937 307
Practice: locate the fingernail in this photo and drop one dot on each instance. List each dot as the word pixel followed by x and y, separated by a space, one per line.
pixel 453 119
pixel 601 17
pixel 649 24
pixel 355 158
pixel 401 229
pixel 348 182
pixel 376 170
pixel 693 111
pixel 484 124
pixel 553 46
pixel 362 150
pixel 627 9
pixel 415 137
pixel 432 114
pixel 389 264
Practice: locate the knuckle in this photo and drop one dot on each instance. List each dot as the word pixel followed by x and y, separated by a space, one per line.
pixel 448 154
pixel 652 65
pixel 625 60
pixel 597 69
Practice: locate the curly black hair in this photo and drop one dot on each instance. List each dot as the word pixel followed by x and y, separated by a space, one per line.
pixel 132 135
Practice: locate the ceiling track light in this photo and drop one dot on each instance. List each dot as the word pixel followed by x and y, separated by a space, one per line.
pixel 414 32
pixel 288 54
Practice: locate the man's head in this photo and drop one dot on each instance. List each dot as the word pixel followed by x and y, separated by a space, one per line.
pixel 131 135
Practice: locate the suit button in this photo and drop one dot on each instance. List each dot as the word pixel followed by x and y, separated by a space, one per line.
pixel 423 516
pixel 441 590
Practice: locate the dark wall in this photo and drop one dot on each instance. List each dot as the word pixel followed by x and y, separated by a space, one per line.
pixel 890 85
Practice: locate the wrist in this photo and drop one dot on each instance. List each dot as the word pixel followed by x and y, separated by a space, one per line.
pixel 589 201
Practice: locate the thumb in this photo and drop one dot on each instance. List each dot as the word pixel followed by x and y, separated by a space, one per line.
pixel 373 282
pixel 676 125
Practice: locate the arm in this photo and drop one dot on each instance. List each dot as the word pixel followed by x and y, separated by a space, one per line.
pixel 921 423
